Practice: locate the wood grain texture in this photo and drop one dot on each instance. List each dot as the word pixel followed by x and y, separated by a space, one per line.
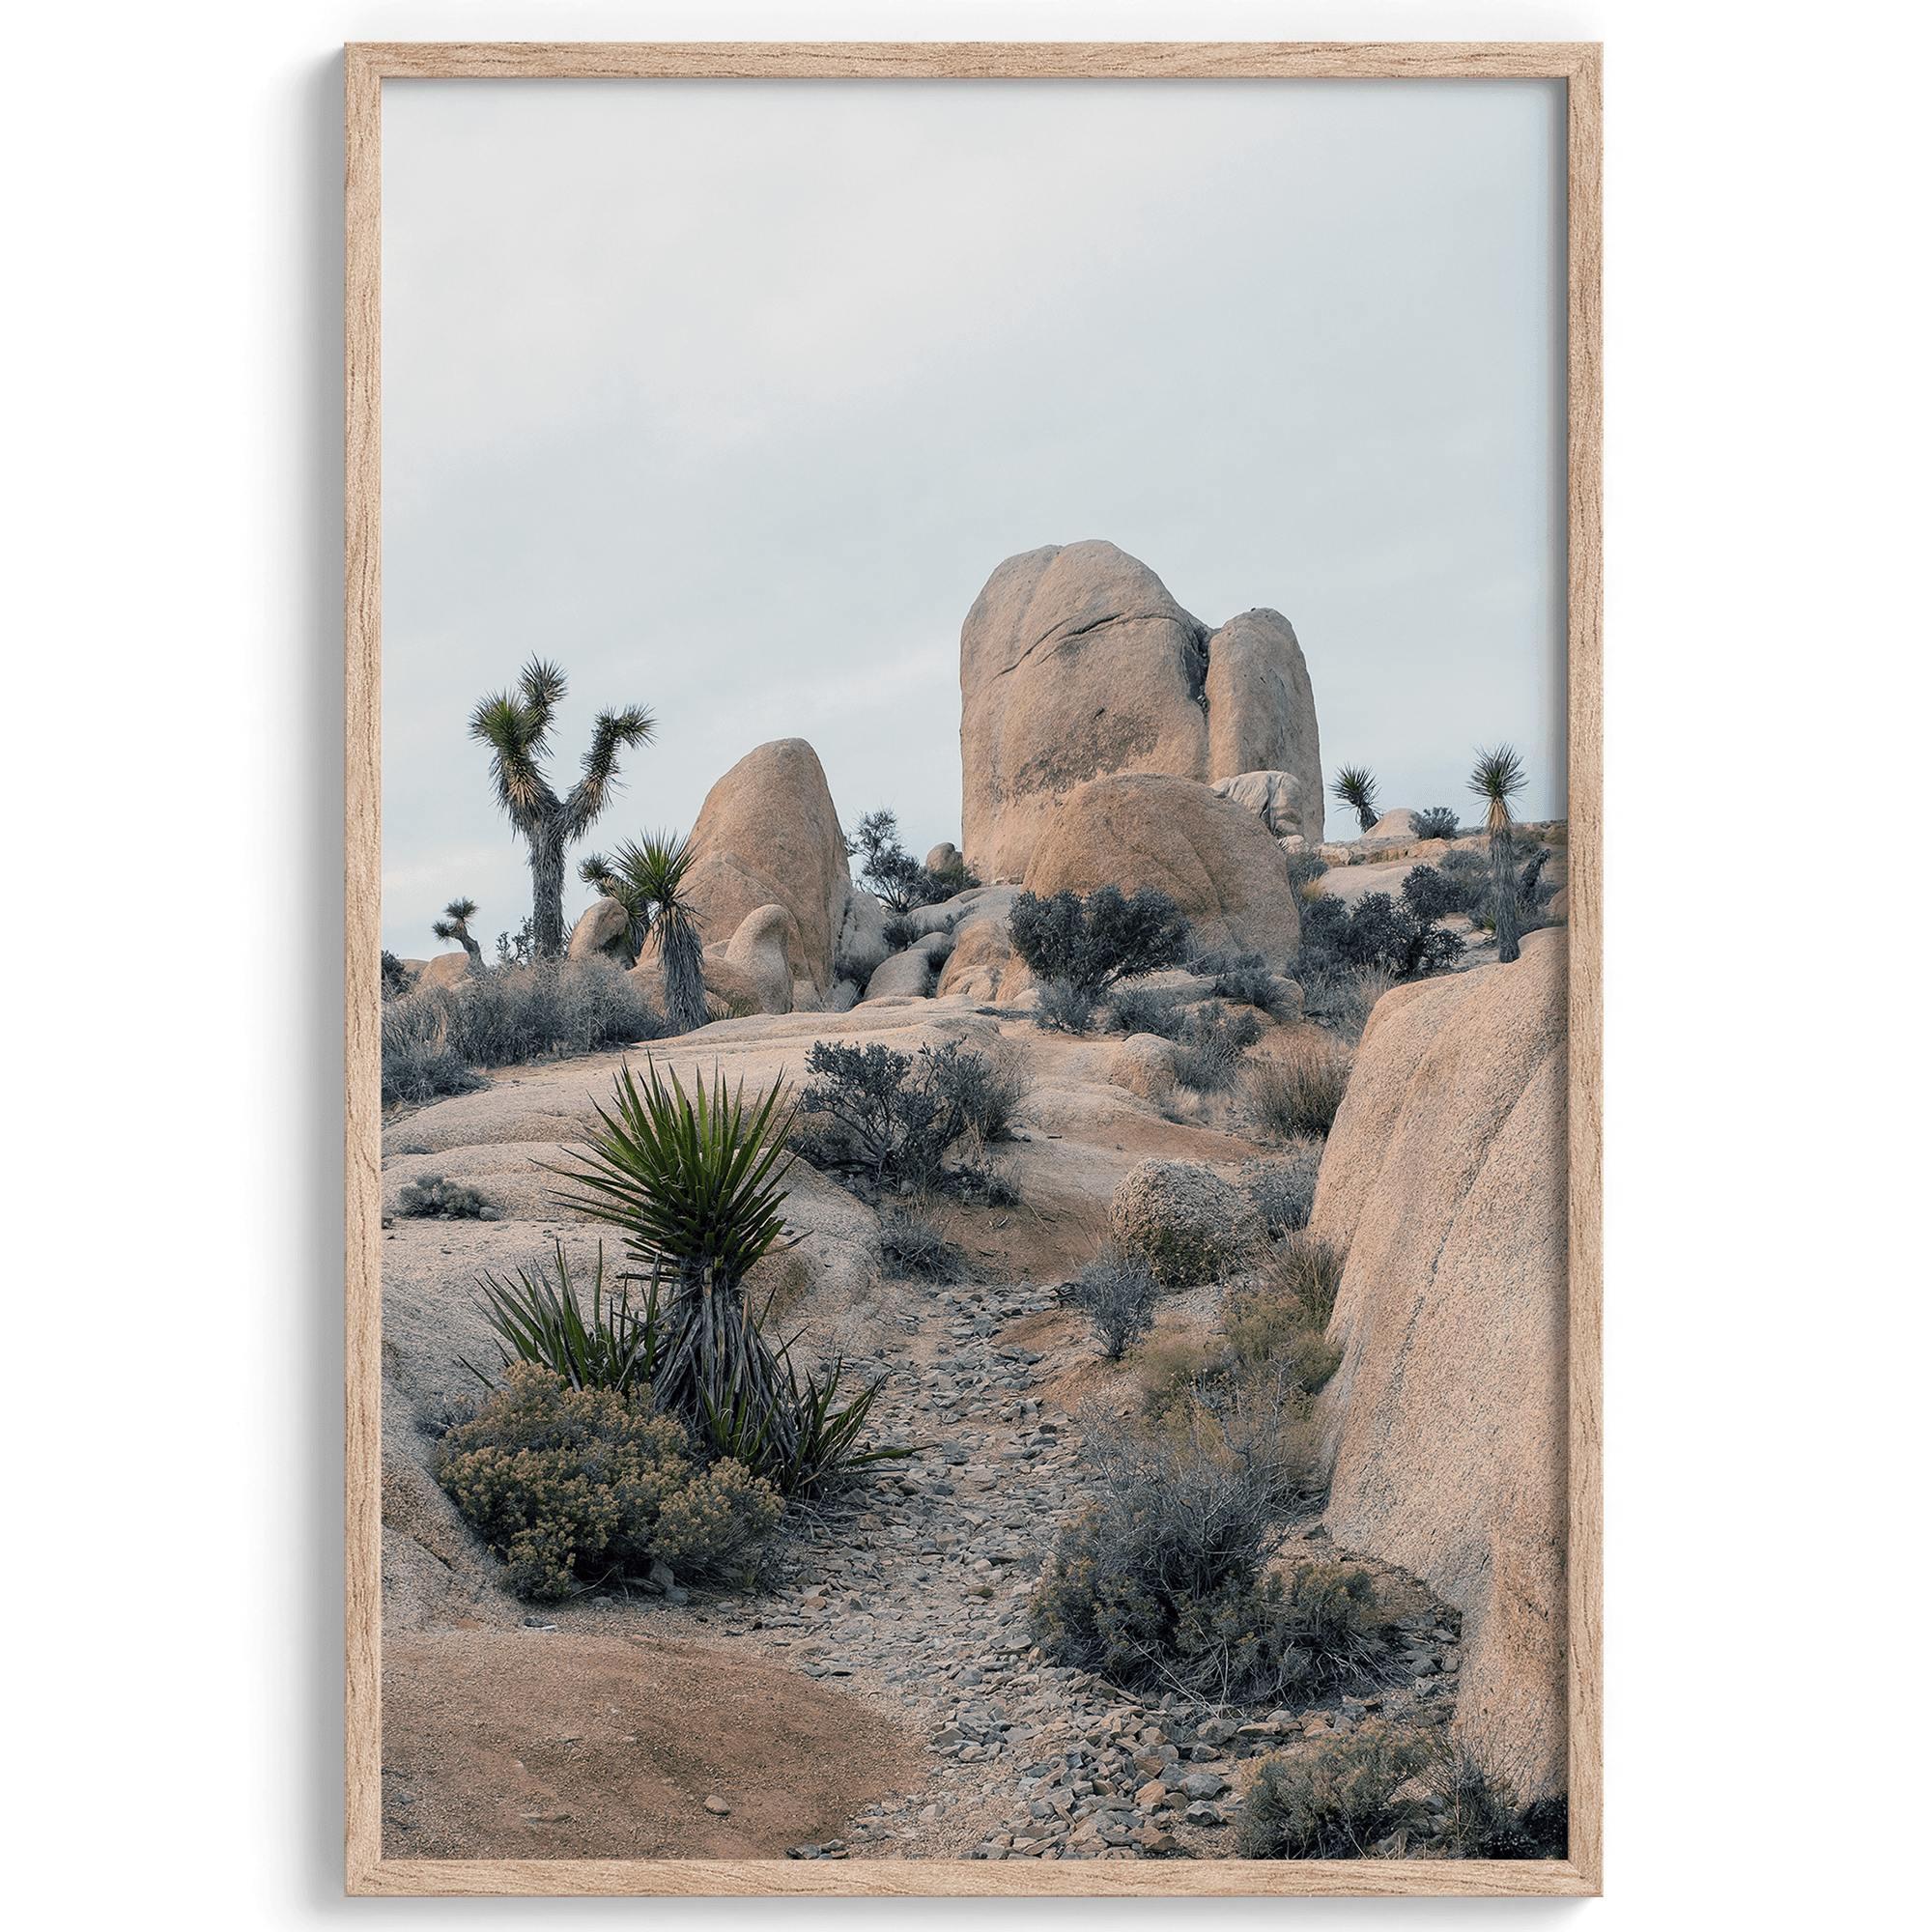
pixel 362 650
pixel 366 66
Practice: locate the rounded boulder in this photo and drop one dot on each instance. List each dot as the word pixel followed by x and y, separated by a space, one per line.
pixel 1189 1223
pixel 1213 857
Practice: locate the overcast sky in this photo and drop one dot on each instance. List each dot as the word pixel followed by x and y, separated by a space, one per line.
pixel 729 396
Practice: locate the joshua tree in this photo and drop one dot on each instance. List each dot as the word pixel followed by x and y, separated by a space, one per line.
pixel 455 925
pixel 648 879
pixel 515 726
pixel 1497 777
pixel 1355 786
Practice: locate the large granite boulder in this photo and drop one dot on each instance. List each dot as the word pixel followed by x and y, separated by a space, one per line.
pixel 448 969
pixel 1076 662
pixel 1261 710
pixel 603 931
pixel 1444 1180
pixel 768 834
pixel 1212 857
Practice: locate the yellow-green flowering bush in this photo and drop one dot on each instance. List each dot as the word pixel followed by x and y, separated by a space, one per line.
pixel 570 1484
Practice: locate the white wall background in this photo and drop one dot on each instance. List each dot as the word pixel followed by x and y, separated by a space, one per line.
pixel 172 483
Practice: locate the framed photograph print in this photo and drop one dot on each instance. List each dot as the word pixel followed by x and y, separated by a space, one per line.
pixel 974 969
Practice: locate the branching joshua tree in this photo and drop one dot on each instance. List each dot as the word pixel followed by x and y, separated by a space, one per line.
pixel 647 878
pixel 1497 777
pixel 1355 786
pixel 455 925
pixel 515 726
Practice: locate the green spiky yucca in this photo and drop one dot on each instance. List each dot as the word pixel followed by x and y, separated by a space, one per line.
pixel 1355 786
pixel 1498 775
pixel 694 1185
pixel 647 877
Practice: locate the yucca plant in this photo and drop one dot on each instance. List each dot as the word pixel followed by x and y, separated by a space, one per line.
pixel 694 1185
pixel 455 925
pixel 542 1321
pixel 1355 786
pixel 1497 777
pixel 646 877
pixel 515 726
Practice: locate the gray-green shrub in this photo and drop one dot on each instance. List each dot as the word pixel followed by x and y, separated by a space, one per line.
pixel 575 1485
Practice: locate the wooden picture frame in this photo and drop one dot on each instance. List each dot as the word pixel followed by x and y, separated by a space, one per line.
pixel 367 67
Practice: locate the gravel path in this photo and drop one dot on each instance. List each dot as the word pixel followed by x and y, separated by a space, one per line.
pixel 912 1593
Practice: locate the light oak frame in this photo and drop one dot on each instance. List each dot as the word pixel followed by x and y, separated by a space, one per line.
pixel 366 67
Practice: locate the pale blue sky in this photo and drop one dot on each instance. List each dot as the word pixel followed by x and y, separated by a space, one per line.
pixel 729 396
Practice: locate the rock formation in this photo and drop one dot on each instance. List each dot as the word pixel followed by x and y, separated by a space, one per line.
pixel 1075 663
pixel 752 968
pixel 768 834
pixel 1445 1181
pixel 1187 1222
pixel 603 931
pixel 1273 797
pixel 1212 857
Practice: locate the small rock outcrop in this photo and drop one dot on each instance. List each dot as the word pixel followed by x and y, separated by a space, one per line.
pixel 1189 1223
pixel 913 971
pixel 1273 797
pixel 1444 1180
pixel 603 931
pixel 1144 1064
pixel 1075 663
pixel 768 835
pixel 942 858
pixel 1212 857
pixel 754 967
pixel 447 969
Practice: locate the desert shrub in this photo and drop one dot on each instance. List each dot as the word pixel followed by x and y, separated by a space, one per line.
pixel 395 975
pixel 1310 1269
pixel 913 1245
pixel 1065 1008
pixel 1161 1582
pixel 694 1187
pixel 1477 1812
pixel 554 1010
pixel 574 1484
pixel 1294 1092
pixel 431 1194
pixel 1211 1048
pixel 1096 941
pixel 519 948
pixel 895 1114
pixel 1377 930
pixel 423 1052
pixel 1344 1801
pixel 1179 1379
pixel 900 933
pixel 1305 871
pixel 1438 822
pixel 1149 1009
pixel 1270 1327
pixel 986 1092
pixel 1206 965
pixel 1283 1190
pixel 1116 1293
pixel 895 875
pixel 1250 986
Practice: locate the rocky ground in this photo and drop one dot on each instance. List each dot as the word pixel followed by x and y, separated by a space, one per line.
pixel 906 1598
